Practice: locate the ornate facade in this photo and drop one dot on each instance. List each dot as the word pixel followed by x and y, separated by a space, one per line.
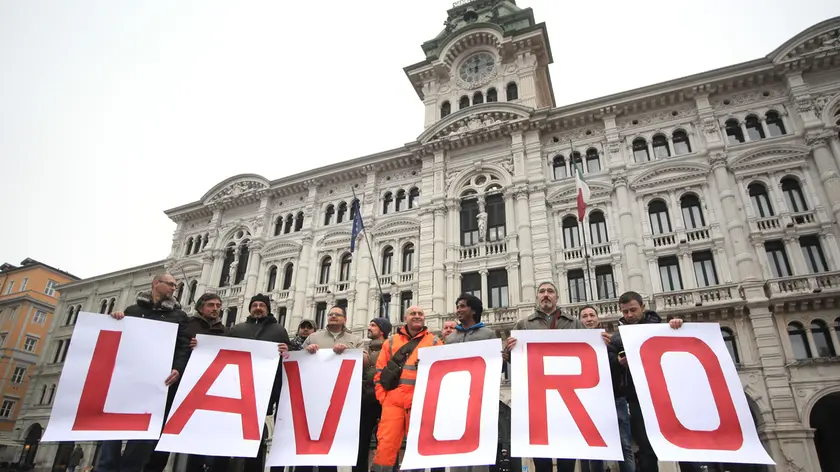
pixel 716 196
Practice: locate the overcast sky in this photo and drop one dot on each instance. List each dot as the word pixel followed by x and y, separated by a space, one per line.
pixel 112 111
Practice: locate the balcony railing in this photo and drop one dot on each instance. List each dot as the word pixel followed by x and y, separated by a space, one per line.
pixel 765 224
pixel 664 240
pixel 803 218
pixel 231 291
pixel 282 295
pixel 322 288
pixel 696 235
pixel 695 297
pixel 487 248
pixel 502 315
pixel 803 284
pixel 606 308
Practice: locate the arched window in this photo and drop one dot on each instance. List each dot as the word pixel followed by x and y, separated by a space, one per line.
pixel 387 200
pixel 640 150
pixel 354 207
pixel 324 275
pixel 495 208
pixel 681 143
pixel 204 242
pixel 103 307
pixel 571 237
pixel 344 273
pixel 598 228
pixel 492 96
pixel 691 212
pixel 189 247
pixel 469 222
pixel 278 225
pixel 179 292
pixel 775 125
pixel 464 102
pixel 289 222
pixel 408 258
pixel 659 221
pixel 43 394
pixel 822 339
pixel 400 201
pixel 445 109
pixel 478 98
pixel 798 341
pixel 576 162
pixel 342 212
pixel 793 195
pixel 754 130
pixel 413 197
pixel 729 340
pixel 288 276
pixel 512 91
pixel 193 289
pixel 242 267
pixel 50 394
pixel 230 255
pixel 328 214
pixel 299 221
pixel 593 162
pixel 272 279
pixel 760 201
pixel 660 147
pixel 734 133
pixel 558 165
pixel 387 260
pixel 111 303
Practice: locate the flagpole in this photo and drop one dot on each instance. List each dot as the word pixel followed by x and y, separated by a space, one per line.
pixel 370 251
pixel 581 221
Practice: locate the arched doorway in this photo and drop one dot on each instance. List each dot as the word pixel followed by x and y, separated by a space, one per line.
pixel 825 419
pixel 30 444
pixel 62 456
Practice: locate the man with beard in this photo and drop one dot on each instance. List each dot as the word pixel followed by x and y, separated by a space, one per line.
pixel 468 308
pixel 158 305
pixel 377 332
pixel 261 325
pixel 305 328
pixel 396 401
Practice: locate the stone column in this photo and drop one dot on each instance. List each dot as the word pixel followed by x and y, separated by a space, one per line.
pixel 302 279
pixel 829 245
pixel 438 287
pixel 485 294
pixel 629 242
pixel 206 273
pixel 513 283
pixel 254 263
pixel 827 167
pixel 763 261
pixel 394 306
pixel 360 314
pixel 794 254
pixel 526 252
pixel 737 234
pixel 689 279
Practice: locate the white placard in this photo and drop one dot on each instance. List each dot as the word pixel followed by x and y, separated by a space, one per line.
pixel 455 410
pixel 221 403
pixel 562 402
pixel 701 413
pixel 123 386
pixel 319 410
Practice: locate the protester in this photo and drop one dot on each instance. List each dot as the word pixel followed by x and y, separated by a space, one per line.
pixel 503 465
pixel 633 311
pixel 449 327
pixel 378 331
pixel 396 373
pixel 261 325
pixel 158 305
pixel 589 317
pixel 75 458
pixel 305 328
pixel 547 316
pixel 468 308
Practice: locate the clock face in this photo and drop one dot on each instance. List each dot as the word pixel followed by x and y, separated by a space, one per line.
pixel 477 69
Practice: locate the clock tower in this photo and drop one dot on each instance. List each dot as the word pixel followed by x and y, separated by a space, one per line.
pixel 489 51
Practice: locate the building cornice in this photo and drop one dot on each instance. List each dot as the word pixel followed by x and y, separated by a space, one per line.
pixel 152 266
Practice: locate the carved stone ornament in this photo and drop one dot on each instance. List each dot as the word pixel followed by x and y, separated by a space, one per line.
pixel 614 147
pixel 476 123
pixel 717 159
pixel 619 181
pixel 237 189
pixel 817 139
pixel 507 164
pixel 710 125
pixel 829 41
pixel 805 105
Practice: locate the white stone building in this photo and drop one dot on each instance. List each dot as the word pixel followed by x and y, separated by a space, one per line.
pixel 716 196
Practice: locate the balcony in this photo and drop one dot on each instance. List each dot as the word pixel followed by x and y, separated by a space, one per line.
pixel 694 298
pixel 231 291
pixel 697 235
pixel 281 295
pixel 664 240
pixel 607 309
pixel 501 316
pixel 769 223
pixel 487 248
pixel 804 218
pixel 803 285
pixel 322 288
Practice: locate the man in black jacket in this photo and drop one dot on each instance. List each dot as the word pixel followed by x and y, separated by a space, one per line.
pixel 632 307
pixel 261 325
pixel 157 305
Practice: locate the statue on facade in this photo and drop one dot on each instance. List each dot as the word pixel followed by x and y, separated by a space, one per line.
pixel 232 273
pixel 482 225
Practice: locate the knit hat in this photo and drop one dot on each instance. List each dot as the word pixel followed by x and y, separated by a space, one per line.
pixel 383 325
pixel 260 298
pixel 309 322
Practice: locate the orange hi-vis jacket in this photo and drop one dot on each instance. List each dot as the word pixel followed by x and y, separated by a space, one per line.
pixel 409 372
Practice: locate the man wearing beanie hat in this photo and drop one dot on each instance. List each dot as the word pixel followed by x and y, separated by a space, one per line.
pixel 468 308
pixel 378 331
pixel 261 325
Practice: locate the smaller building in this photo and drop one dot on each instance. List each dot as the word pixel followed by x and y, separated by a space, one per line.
pixel 28 297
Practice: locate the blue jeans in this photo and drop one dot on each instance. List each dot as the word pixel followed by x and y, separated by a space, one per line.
pixel 134 459
pixel 623 411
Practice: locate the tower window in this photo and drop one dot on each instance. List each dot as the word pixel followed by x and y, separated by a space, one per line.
pixel 512 91
pixel 445 109
pixel 492 96
pixel 478 98
pixel 464 102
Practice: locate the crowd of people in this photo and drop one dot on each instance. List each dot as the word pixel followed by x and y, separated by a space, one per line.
pixel 390 373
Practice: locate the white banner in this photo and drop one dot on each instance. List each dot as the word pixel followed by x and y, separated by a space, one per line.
pixel 319 410
pixel 455 410
pixel 694 406
pixel 112 383
pixel 562 402
pixel 221 403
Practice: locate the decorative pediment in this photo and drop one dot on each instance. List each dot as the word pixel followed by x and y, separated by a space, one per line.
pixel 177 268
pixel 768 157
pixel 567 194
pixel 670 174
pixel 281 249
pixel 238 187
pixel 395 226
pixel 821 40
pixel 339 237
pixel 475 120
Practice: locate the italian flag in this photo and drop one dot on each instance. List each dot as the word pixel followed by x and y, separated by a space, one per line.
pixel 582 192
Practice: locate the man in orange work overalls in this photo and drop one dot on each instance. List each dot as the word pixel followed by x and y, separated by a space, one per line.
pixel 396 398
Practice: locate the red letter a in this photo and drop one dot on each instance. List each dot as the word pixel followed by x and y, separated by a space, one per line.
pixel 565 385
pixel 91 414
pixel 427 445
pixel 728 435
pixel 304 444
pixel 197 398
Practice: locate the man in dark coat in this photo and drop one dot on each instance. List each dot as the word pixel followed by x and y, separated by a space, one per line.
pixel 158 305
pixel 378 331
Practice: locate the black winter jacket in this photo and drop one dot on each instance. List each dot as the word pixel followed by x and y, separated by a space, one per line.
pixel 265 329
pixel 623 385
pixel 170 312
pixel 197 324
